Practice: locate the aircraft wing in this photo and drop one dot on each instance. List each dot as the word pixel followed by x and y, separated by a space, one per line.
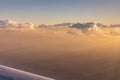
pixel 7 73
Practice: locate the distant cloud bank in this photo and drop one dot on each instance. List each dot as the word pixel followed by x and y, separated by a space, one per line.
pixel 84 28
pixel 14 24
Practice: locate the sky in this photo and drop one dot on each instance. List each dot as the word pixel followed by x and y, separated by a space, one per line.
pixel 60 11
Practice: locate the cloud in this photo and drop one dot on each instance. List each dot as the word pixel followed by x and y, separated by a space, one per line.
pixel 43 26
pixel 115 25
pixel 63 25
pixel 7 23
pixel 13 25
pixel 88 27
pixel 93 28
pixel 26 25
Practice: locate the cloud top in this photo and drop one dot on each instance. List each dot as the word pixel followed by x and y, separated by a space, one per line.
pixel 70 28
pixel 14 24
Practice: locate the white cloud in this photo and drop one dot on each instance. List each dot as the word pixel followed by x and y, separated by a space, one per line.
pixel 25 25
pixel 13 25
pixel 7 23
pixel 87 28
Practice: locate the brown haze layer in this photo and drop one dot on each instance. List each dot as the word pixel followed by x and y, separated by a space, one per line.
pixel 61 54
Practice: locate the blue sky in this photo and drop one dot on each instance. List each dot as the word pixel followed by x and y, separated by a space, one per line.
pixel 58 11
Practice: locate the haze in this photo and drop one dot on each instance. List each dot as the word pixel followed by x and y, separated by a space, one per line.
pixel 59 54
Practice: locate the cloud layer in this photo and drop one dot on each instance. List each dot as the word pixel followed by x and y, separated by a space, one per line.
pixel 70 28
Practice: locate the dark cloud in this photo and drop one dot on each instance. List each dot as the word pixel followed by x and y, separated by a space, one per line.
pixel 43 26
pixel 87 27
pixel 63 25
pixel 115 25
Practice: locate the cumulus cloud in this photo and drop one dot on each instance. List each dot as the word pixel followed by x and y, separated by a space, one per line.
pixel 97 28
pixel 7 23
pixel 88 27
pixel 26 25
pixel 70 28
pixel 13 25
